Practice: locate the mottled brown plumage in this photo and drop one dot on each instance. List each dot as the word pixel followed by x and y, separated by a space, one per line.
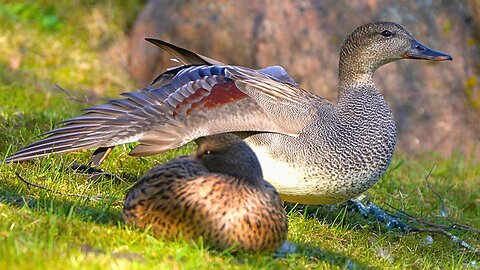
pixel 218 194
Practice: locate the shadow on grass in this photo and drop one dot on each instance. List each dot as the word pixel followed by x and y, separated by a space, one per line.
pixel 335 214
pixel 108 213
pixel 82 209
pixel 315 255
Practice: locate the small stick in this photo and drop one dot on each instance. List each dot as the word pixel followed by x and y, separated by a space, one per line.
pixel 454 226
pixel 443 212
pixel 436 227
pixel 452 237
pixel 71 97
pixel 440 229
pixel 29 184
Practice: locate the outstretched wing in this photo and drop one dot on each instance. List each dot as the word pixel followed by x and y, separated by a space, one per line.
pixel 191 102
pixel 183 55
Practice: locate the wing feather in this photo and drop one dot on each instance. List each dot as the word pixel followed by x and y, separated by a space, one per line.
pixel 188 102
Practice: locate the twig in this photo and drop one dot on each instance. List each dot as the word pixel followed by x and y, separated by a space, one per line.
pixel 437 227
pixel 29 184
pixel 454 226
pixel 452 237
pixel 92 172
pixel 71 97
pixel 465 227
pixel 443 211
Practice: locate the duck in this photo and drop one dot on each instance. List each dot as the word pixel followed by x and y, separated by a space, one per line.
pixel 312 151
pixel 218 194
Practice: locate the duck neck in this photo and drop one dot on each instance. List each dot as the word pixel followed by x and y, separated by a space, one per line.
pixel 354 73
pixel 252 173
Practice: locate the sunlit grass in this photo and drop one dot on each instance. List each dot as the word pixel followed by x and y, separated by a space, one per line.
pixel 71 44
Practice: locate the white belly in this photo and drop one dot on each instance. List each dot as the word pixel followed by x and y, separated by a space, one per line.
pixel 283 176
pixel 290 181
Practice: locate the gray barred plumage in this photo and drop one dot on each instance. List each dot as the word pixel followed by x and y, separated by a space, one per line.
pixel 311 150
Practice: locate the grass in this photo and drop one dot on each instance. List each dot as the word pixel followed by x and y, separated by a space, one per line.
pixel 71 44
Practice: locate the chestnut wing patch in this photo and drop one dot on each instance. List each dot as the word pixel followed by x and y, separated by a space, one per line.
pixel 202 99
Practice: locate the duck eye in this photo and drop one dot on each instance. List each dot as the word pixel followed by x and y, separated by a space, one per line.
pixel 201 155
pixel 387 33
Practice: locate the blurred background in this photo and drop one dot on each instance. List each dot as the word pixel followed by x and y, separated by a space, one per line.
pixel 436 105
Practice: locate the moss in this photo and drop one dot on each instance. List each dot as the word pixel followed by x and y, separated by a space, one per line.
pixel 472 92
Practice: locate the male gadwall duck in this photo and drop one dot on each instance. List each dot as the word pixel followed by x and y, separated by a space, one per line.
pixel 218 194
pixel 311 150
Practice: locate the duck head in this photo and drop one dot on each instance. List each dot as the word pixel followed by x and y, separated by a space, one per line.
pixel 228 154
pixel 375 44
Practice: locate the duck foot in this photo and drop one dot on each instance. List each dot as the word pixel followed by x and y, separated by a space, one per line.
pixel 91 171
pixel 368 209
pixel 286 248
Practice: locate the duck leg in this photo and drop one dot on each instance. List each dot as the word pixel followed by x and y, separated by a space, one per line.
pixel 98 156
pixel 369 209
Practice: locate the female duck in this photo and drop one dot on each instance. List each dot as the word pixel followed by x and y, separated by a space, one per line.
pixel 219 194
